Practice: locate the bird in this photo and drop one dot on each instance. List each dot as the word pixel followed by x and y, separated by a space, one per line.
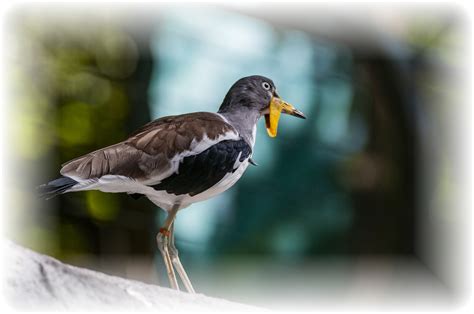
pixel 176 161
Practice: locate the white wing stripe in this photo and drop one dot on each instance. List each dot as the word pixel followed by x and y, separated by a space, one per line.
pixel 195 149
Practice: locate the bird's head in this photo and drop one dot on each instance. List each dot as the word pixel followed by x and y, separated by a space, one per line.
pixel 259 93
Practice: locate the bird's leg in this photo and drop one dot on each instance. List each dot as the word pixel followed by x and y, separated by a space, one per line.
pixel 162 240
pixel 177 263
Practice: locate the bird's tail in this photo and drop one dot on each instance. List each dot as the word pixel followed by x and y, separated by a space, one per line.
pixel 56 187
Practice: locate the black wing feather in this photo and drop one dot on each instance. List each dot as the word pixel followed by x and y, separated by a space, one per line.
pixel 197 173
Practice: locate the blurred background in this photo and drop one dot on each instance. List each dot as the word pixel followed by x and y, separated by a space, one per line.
pixel 361 204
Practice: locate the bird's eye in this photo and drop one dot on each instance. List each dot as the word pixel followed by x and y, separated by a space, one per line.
pixel 266 86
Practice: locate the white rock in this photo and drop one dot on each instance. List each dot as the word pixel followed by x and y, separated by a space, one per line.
pixel 38 282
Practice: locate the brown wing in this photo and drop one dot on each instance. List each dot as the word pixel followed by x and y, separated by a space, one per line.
pixel 148 151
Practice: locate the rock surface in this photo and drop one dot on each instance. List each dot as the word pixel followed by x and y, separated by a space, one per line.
pixel 38 282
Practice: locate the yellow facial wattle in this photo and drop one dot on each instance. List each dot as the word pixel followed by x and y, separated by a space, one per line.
pixel 277 106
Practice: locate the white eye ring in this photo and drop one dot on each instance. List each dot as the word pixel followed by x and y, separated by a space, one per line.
pixel 266 86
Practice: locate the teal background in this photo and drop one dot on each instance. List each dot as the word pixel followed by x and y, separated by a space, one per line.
pixel 346 184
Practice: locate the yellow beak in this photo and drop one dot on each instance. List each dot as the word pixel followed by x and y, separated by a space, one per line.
pixel 277 106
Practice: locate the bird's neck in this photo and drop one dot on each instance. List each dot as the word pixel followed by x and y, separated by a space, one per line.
pixel 245 122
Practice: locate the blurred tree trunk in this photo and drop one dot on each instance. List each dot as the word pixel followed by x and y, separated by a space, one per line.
pixel 385 206
pixel 137 86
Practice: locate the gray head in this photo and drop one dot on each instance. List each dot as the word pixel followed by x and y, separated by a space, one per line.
pixel 251 92
pixel 256 96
